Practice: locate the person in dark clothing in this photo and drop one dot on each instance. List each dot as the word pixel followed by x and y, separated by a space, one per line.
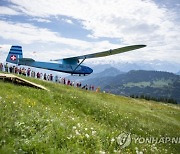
pixel 10 69
pixel 28 72
pixel 83 87
pixel 45 78
pixel 16 70
pixel 38 75
pixel 51 77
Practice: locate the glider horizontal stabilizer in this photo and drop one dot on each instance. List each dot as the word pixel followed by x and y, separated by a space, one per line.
pixel 26 60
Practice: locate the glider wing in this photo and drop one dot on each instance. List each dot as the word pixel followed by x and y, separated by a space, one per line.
pixel 105 53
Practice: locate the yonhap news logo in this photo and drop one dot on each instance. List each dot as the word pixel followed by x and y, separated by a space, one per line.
pixel 125 139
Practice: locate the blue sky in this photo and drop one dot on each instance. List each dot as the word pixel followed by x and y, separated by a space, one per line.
pixel 54 29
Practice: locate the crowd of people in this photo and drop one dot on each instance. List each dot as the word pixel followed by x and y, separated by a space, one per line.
pixel 44 76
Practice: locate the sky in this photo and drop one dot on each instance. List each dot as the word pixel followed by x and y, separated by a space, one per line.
pixel 51 29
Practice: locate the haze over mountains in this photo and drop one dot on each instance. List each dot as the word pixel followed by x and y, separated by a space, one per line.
pixel 140 65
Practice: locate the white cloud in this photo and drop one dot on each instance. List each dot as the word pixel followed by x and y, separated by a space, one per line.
pixel 27 33
pixel 40 20
pixel 8 11
pixel 131 21
pixel 67 21
pixel 4 48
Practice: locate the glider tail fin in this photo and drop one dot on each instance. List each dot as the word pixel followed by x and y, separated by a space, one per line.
pixel 14 54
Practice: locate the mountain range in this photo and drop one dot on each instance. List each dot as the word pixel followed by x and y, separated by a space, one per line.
pixel 157 65
pixel 156 84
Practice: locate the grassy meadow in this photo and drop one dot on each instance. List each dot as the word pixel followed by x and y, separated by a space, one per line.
pixel 71 120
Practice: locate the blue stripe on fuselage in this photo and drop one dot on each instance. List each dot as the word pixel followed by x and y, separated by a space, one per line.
pixel 18 50
pixel 16 46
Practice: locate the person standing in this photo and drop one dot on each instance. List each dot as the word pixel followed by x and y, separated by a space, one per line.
pixel 38 75
pixel 56 78
pixel 10 69
pixel 16 70
pixel 6 67
pixel 1 67
pixel 92 88
pixel 28 72
pixel 51 77
pixel 45 78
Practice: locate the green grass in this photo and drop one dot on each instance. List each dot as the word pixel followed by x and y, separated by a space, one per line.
pixel 138 84
pixel 70 120
pixel 154 84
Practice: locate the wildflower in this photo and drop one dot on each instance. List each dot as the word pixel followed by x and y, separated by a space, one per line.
pixel 87 135
pixel 85 128
pixel 112 140
pixel 77 133
pixel 70 136
pixel 78 124
pixel 93 132
pixel 74 127
pixel 101 152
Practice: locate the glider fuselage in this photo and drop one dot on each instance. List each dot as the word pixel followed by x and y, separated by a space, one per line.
pixel 66 68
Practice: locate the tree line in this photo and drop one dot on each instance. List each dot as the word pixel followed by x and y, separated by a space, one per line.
pixel 157 99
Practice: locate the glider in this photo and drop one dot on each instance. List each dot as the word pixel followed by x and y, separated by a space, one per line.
pixel 70 65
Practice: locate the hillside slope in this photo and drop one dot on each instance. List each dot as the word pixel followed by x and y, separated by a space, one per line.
pixel 70 120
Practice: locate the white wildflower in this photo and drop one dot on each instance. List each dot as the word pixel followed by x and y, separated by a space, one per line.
pixel 79 125
pixel 93 132
pixel 70 136
pixel 77 133
pixel 87 135
pixel 102 152
pixel 112 140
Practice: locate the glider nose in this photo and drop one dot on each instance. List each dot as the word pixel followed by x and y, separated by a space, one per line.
pixel 90 70
pixel 86 70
